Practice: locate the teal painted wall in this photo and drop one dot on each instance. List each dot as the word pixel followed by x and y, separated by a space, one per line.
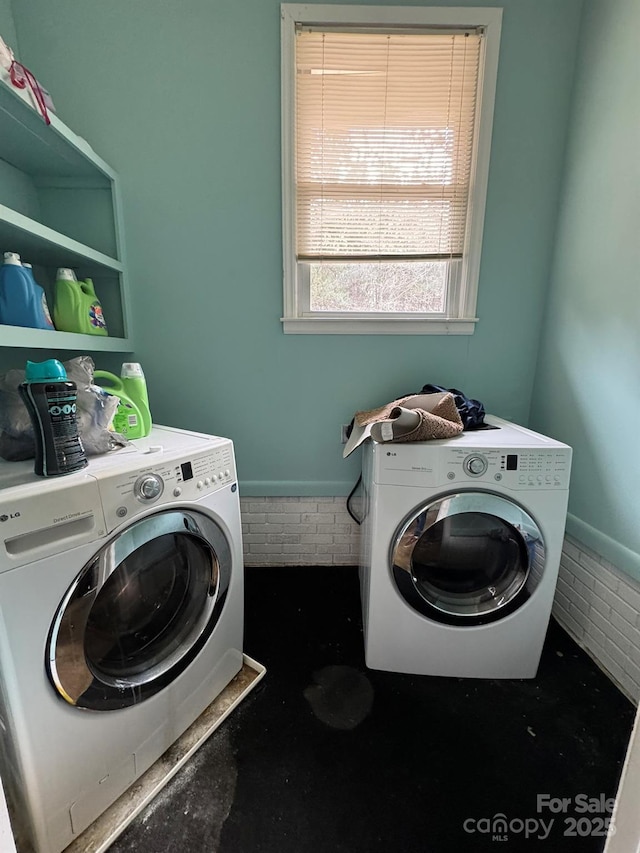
pixel 587 385
pixel 183 99
pixel 7 26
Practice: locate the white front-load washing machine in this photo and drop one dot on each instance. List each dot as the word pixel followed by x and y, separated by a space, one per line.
pixel 460 550
pixel 121 620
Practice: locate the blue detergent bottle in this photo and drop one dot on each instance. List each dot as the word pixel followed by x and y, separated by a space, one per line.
pixel 22 300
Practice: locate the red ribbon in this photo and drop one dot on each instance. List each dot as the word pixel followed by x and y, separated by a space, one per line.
pixel 20 76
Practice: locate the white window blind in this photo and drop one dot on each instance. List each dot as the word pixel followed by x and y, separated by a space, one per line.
pixel 384 142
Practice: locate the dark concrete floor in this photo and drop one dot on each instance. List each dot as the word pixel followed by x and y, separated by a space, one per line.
pixel 326 756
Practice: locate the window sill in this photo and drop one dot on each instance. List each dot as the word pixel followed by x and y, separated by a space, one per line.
pixel 376 326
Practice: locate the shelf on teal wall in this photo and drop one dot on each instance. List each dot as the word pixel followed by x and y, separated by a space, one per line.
pixel 61 201
pixel 18 336
pixel 36 148
pixel 39 244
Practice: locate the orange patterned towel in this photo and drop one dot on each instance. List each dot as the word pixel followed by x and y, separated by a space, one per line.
pixel 418 417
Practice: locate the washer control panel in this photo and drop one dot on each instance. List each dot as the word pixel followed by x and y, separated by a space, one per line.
pixel 166 481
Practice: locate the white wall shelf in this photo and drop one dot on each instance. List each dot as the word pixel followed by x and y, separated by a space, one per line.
pixel 60 207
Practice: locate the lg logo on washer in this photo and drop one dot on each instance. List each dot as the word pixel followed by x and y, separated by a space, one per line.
pixel 11 515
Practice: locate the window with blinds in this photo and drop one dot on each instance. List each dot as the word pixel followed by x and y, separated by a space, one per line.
pixel 384 143
pixel 383 139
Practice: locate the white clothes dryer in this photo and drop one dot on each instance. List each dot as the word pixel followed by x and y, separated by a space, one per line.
pixel 121 619
pixel 460 550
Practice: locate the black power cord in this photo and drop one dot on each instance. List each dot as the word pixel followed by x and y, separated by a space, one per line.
pixel 351 494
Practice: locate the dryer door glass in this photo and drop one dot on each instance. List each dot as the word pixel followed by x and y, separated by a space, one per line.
pixel 468 558
pixel 140 611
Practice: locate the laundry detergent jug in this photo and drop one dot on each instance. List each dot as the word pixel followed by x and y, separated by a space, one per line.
pixel 76 307
pixel 132 418
pixel 22 301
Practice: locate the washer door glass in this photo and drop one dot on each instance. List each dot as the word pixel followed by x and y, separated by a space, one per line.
pixel 468 558
pixel 140 611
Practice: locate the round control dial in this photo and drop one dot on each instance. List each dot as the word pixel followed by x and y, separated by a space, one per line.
pixel 148 487
pixel 475 465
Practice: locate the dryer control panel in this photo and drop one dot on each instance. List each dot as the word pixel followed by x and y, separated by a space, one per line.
pixel 435 464
pixel 167 481
pixel 516 469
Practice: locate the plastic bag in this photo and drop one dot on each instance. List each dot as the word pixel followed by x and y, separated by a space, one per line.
pixel 95 411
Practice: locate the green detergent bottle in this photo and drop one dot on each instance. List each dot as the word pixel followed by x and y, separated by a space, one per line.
pixel 132 418
pixel 76 307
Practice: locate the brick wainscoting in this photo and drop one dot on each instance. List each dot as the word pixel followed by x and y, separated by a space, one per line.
pixel 600 607
pixel 299 532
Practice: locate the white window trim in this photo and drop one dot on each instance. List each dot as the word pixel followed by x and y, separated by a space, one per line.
pixel 464 320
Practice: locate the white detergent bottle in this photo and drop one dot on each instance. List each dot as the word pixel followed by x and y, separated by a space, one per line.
pixel 39 291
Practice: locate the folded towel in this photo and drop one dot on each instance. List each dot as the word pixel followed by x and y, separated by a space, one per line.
pixel 418 417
